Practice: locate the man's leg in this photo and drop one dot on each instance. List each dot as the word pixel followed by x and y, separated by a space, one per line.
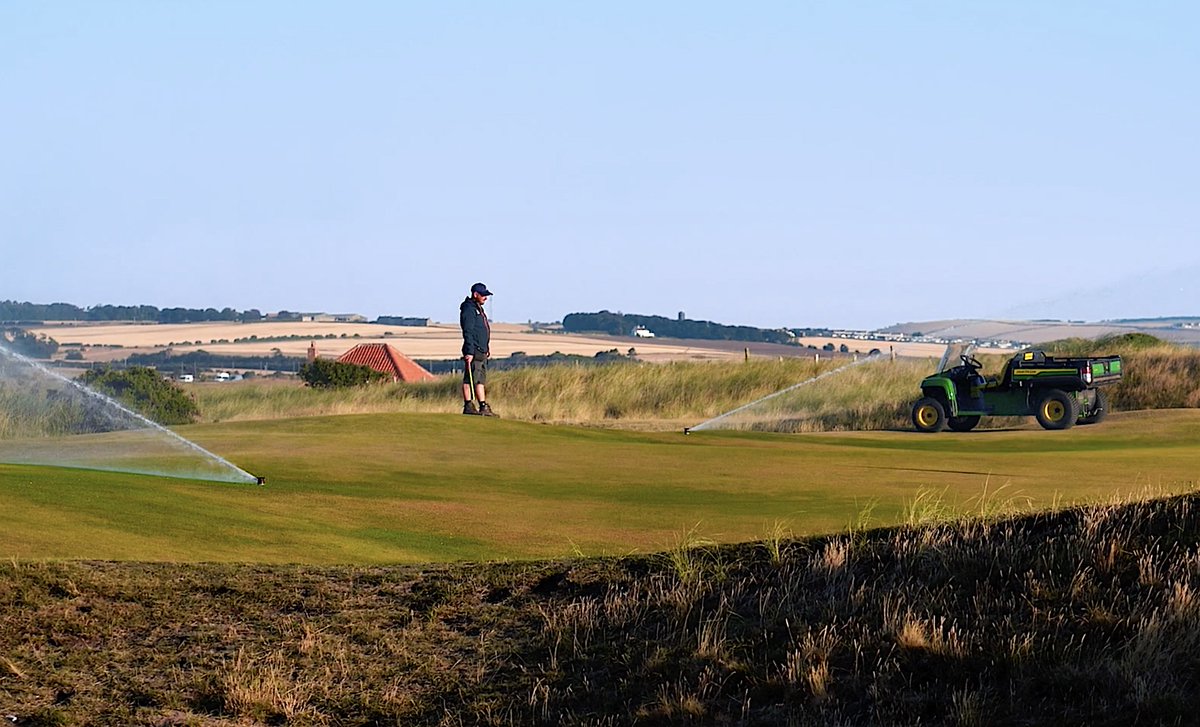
pixel 480 394
pixel 468 405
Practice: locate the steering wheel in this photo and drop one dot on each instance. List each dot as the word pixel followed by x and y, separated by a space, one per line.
pixel 972 362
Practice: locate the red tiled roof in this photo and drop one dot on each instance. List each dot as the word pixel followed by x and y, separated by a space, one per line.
pixel 382 357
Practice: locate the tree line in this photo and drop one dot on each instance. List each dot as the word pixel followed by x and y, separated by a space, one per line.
pixel 201 359
pixel 28 344
pixel 622 324
pixel 14 311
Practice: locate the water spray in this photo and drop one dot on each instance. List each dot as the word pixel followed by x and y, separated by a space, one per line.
pixel 781 392
pixel 236 473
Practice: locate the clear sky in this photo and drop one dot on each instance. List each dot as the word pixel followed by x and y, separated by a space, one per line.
pixel 848 164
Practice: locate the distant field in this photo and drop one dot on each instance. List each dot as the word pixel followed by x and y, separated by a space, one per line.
pixel 1036 332
pixel 438 341
pixel 432 487
pixel 911 349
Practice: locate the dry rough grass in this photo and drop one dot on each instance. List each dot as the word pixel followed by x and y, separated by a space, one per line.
pixel 618 394
pixel 1157 375
pixel 664 396
pixel 1085 616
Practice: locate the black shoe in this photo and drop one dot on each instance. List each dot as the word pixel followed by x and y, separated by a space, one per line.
pixel 469 408
pixel 485 410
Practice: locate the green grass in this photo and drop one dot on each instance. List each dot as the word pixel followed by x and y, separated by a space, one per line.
pixel 384 488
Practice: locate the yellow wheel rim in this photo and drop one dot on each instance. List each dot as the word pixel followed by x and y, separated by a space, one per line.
pixel 1054 411
pixel 927 415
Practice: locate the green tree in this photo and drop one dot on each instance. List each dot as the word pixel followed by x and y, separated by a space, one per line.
pixel 145 391
pixel 619 324
pixel 325 374
pixel 28 344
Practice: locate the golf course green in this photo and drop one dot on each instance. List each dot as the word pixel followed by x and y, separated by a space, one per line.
pixel 410 488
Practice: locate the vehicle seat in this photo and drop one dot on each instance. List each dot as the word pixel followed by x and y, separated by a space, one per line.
pixel 1003 379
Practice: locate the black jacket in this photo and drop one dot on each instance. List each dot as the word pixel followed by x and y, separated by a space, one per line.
pixel 477 332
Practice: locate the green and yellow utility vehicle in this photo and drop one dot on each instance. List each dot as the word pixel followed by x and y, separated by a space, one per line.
pixel 1060 392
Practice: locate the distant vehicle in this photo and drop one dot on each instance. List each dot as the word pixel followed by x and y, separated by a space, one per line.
pixel 223 376
pixel 187 378
pixel 643 332
pixel 1060 392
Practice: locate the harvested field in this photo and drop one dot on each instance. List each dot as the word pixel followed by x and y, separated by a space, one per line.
pixel 1039 332
pixel 437 341
pixel 910 349
pixel 109 342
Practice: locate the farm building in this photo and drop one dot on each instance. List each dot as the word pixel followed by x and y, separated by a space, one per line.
pixel 333 318
pixel 383 357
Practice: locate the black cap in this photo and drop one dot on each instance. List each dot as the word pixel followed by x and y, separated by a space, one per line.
pixel 481 289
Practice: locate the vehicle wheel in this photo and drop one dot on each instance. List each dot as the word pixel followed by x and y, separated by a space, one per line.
pixel 928 415
pixel 963 423
pixel 1099 409
pixel 1057 410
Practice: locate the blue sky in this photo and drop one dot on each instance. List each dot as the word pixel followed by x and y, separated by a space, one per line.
pixel 772 164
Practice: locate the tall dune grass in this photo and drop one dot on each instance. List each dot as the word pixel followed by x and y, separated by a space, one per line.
pixel 275 399
pixel 619 394
pixel 1160 378
pixel 1157 374
pixel 30 410
pixel 871 396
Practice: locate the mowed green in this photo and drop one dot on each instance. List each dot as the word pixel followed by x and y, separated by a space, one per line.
pixel 405 488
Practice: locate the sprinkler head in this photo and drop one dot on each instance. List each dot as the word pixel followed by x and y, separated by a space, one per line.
pixel 687 430
pixel 261 480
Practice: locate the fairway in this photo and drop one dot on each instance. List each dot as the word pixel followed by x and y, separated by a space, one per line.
pixel 407 488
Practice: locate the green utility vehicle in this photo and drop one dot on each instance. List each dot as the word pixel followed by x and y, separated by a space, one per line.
pixel 1060 392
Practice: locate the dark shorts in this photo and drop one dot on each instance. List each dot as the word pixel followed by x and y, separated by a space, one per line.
pixel 478 371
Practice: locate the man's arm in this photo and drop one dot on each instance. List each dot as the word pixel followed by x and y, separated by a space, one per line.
pixel 470 331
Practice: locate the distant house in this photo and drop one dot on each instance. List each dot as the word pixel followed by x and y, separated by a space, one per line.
pixel 402 321
pixel 386 359
pixel 333 317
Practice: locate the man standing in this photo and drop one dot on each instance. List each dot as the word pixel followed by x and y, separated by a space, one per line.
pixel 477 338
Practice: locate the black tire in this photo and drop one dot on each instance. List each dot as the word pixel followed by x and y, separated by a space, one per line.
pixel 1056 409
pixel 928 415
pixel 1099 409
pixel 964 423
